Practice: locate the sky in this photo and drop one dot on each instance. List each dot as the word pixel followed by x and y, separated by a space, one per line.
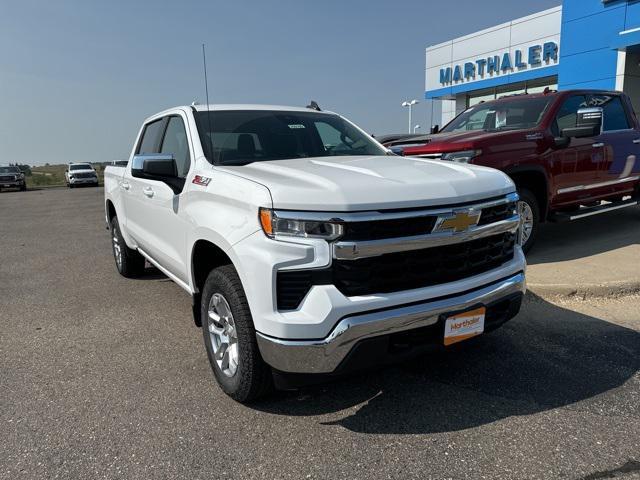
pixel 77 78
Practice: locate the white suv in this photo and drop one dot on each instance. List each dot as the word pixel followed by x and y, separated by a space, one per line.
pixel 308 249
pixel 80 174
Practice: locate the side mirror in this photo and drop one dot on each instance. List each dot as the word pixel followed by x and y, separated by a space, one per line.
pixel 561 142
pixel 435 129
pixel 157 167
pixel 588 123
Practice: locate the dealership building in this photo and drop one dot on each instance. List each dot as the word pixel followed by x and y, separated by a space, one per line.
pixel 580 44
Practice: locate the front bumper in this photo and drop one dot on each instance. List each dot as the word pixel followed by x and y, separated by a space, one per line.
pixel 327 355
pixel 12 183
pixel 84 181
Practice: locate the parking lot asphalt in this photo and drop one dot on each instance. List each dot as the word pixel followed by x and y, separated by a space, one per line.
pixel 104 377
pixel 595 256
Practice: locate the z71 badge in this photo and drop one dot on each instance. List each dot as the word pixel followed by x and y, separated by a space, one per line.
pixel 200 180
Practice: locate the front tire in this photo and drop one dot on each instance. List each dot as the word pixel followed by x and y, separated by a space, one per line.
pixel 530 211
pixel 130 263
pixel 230 337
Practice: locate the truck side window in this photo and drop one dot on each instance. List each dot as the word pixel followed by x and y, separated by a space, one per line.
pixel 151 137
pixel 615 117
pixel 568 114
pixel 175 143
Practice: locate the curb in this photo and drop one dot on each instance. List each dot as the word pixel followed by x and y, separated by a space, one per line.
pixel 585 291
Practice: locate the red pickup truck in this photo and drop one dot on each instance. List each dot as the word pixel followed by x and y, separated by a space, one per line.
pixel 571 154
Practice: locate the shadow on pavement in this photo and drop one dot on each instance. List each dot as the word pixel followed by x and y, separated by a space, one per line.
pixel 589 236
pixel 547 357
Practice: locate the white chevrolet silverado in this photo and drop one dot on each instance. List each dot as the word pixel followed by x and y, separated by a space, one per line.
pixel 308 249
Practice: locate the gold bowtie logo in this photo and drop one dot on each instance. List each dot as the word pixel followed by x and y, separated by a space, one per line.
pixel 460 222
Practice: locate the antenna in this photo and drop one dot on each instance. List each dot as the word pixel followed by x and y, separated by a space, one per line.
pixel 206 90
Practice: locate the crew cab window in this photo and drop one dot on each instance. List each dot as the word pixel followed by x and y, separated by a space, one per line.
pixel 175 143
pixel 151 137
pixel 504 114
pixel 567 116
pixel 615 116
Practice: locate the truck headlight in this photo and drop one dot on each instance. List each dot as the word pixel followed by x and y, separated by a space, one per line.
pixel 464 156
pixel 273 226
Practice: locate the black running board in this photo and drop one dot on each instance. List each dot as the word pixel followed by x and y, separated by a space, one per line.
pixel 589 211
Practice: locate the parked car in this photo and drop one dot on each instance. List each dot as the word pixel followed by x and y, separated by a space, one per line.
pixel 392 137
pixel 12 177
pixel 308 250
pixel 78 174
pixel 571 154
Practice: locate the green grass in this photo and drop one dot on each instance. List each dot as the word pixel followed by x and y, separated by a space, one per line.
pixel 53 175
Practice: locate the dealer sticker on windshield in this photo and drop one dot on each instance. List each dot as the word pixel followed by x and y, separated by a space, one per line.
pixel 464 326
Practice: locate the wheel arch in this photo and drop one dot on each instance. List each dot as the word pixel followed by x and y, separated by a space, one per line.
pixel 110 212
pixel 205 256
pixel 533 178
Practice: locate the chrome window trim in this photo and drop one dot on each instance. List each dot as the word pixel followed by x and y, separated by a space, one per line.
pixel 382 215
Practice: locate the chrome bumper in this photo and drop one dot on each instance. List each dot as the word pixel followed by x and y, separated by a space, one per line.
pixel 325 355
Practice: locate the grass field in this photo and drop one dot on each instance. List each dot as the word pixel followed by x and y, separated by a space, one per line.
pixel 53 175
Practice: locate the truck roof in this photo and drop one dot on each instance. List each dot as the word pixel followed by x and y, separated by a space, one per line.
pixel 220 107
pixel 248 106
pixel 554 93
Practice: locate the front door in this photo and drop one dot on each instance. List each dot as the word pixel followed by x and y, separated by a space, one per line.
pixel 160 225
pixel 576 167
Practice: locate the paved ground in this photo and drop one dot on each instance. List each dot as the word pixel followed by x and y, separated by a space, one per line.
pixel 594 256
pixel 103 377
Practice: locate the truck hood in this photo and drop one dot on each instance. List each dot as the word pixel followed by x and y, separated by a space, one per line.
pixel 452 141
pixel 372 182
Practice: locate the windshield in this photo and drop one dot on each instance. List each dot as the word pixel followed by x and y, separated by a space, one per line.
pixel 9 170
pixel 514 114
pixel 240 137
pixel 80 166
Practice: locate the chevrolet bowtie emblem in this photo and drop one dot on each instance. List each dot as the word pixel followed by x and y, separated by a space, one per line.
pixel 459 222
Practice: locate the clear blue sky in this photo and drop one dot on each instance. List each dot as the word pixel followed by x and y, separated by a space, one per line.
pixel 78 77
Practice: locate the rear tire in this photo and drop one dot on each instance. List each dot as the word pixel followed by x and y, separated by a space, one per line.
pixel 230 337
pixel 129 262
pixel 529 209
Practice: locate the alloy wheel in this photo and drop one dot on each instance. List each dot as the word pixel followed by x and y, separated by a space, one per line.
pixel 223 334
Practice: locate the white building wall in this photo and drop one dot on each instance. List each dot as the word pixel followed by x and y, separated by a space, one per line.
pixel 519 34
pixel 448 112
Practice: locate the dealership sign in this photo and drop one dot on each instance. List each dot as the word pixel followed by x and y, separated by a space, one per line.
pixel 534 56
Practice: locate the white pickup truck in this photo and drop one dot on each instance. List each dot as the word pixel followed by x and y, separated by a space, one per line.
pixel 307 247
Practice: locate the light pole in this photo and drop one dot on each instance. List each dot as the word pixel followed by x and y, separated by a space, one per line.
pixel 410 104
pixel 415 127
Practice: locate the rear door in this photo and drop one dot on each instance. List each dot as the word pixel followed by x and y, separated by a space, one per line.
pixel 131 188
pixel 574 168
pixel 621 143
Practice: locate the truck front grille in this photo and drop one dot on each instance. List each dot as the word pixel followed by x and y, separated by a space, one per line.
pixel 399 271
pixel 84 175
pixel 393 228
pixel 497 213
pixel 394 272
pixel 7 178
